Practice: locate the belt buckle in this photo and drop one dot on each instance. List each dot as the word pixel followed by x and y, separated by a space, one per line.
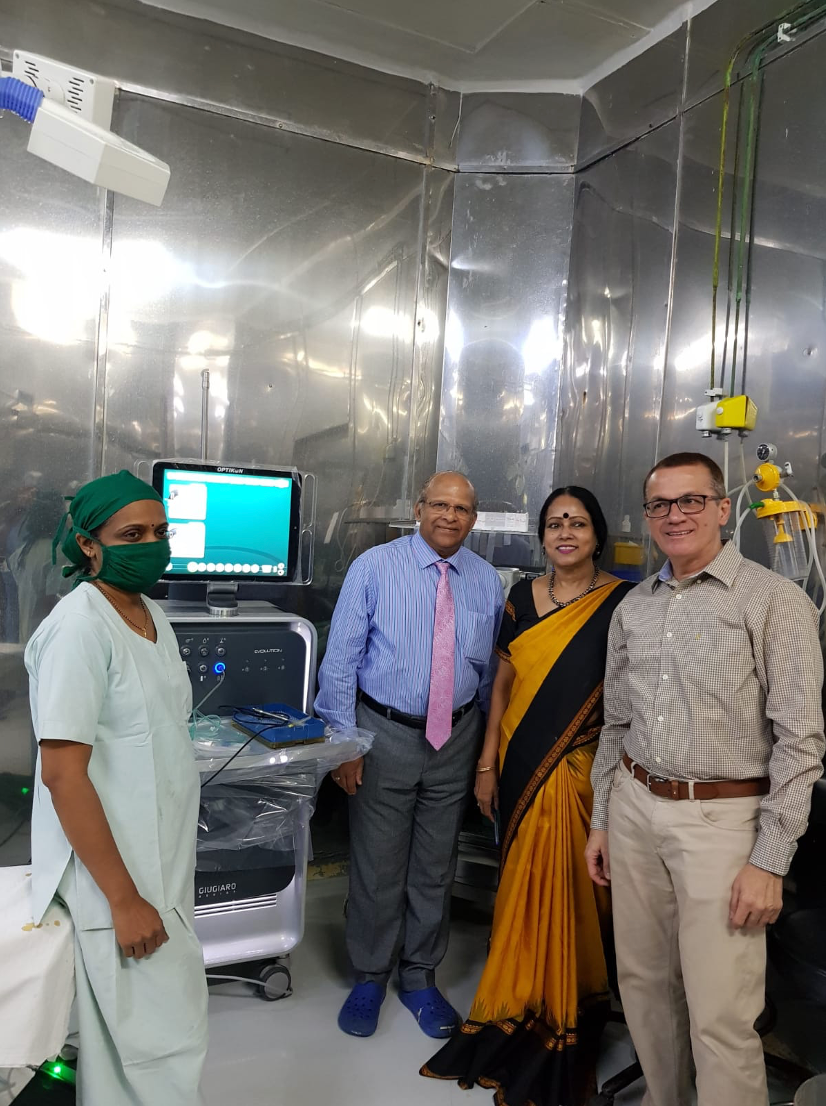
pixel 655 779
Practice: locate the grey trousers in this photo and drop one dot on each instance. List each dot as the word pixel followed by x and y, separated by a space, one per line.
pixel 404 832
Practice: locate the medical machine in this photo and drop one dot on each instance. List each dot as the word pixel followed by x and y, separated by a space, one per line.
pixel 70 111
pixel 249 898
pixel 233 524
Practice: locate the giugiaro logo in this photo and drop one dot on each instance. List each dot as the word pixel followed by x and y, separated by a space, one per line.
pixel 217 888
pixel 229 470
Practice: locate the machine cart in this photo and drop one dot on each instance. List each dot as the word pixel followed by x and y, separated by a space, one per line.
pixel 253 849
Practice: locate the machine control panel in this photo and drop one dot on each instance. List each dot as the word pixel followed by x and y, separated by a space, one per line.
pixel 254 663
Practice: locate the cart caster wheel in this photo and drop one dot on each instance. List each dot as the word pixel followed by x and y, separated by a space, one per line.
pixel 276 982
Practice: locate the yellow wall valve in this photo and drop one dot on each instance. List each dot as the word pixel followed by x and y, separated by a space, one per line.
pixel 735 413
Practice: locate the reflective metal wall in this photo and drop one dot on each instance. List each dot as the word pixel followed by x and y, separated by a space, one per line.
pixel 307 276
pixel 285 266
pixel 638 336
pixel 503 336
pixel 193 61
pixel 786 352
pixel 51 276
pixel 716 33
pixel 506 132
pixel 636 98
pixel 289 269
pixel 616 328
pixel 362 312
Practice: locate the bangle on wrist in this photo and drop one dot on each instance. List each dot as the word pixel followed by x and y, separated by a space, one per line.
pixel 488 768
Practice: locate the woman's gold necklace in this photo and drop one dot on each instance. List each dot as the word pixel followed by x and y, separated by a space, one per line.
pixel 123 614
pixel 568 602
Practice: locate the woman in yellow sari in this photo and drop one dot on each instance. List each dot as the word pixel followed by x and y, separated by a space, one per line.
pixel 534 1026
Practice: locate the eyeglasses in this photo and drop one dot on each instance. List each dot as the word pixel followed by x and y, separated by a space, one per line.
pixel 688 504
pixel 441 508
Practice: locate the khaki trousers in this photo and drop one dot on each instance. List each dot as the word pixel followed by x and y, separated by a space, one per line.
pixel 690 984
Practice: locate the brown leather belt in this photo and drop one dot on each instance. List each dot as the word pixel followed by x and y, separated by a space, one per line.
pixel 678 789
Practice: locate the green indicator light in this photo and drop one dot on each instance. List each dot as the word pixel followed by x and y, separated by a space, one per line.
pixel 24 790
pixel 60 1071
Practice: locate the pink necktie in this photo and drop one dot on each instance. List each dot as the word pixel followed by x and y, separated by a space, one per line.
pixel 440 703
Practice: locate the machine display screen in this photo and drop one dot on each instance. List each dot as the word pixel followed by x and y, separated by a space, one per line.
pixel 236 523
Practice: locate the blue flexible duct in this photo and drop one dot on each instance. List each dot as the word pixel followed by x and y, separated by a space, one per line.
pixel 21 98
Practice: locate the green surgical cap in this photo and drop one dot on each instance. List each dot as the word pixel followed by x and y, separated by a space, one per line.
pixel 96 502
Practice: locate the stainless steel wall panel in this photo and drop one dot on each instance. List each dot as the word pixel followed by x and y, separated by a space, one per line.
pixel 616 297
pixel 188 59
pixel 616 326
pixel 50 286
pixel 689 353
pixel 503 336
pixel 431 317
pixel 636 98
pixel 715 34
pixel 786 367
pixel 307 277
pixel 288 269
pixel 511 131
pixel 446 106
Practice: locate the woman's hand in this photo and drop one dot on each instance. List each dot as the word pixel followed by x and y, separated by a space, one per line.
pixel 138 928
pixel 486 787
pixel 486 791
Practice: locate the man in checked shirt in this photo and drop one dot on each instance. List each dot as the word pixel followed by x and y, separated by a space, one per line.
pixel 713 740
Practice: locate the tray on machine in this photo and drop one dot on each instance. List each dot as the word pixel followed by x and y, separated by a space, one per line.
pixel 277 725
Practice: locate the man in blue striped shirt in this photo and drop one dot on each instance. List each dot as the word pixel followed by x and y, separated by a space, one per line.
pixel 408 613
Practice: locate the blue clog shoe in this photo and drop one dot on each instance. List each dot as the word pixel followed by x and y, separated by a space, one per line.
pixel 359 1015
pixel 432 1011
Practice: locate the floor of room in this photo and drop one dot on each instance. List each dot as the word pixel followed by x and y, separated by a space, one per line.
pixel 291 1051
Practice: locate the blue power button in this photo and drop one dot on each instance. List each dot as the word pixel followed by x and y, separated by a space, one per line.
pixel 219 669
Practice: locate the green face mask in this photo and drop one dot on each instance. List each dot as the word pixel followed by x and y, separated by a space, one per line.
pixel 135 568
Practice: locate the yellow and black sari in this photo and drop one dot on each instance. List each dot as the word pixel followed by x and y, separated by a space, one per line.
pixel 534 1025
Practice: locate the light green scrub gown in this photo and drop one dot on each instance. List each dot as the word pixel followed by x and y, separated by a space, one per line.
pixel 143 1023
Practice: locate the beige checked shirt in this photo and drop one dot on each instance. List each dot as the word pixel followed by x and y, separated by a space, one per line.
pixel 718 677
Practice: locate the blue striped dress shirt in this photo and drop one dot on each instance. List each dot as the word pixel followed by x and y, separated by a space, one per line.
pixel 381 636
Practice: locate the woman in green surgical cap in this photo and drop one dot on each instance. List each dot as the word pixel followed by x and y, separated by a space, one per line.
pixel 116 803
